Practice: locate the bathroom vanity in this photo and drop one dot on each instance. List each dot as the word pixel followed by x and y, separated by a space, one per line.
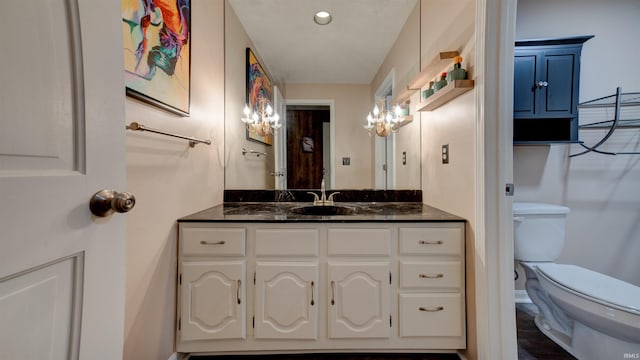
pixel 258 277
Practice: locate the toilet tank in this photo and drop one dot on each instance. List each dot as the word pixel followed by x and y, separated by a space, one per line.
pixel 538 231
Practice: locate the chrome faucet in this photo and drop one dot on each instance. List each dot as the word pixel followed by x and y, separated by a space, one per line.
pixel 322 200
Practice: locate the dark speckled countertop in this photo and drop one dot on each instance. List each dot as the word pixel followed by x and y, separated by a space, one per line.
pixel 277 206
pixel 281 212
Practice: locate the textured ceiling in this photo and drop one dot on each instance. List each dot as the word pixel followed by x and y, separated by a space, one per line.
pixel 349 50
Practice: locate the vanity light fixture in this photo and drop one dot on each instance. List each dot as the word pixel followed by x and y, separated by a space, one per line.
pixel 384 121
pixel 322 18
pixel 263 122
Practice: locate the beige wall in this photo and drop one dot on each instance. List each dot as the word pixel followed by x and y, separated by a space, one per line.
pixel 352 103
pixel 241 172
pixel 171 180
pixel 602 191
pixel 404 61
pixel 451 187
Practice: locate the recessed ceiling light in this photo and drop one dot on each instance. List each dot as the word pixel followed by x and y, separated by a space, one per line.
pixel 322 18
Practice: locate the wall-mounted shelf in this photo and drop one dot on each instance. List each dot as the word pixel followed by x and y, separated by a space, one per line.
pixel 446 94
pixel 429 72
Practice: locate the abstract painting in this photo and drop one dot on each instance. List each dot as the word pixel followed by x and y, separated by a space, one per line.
pixel 157 45
pixel 258 87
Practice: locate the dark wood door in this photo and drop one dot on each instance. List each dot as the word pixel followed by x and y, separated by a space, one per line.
pixel 304 148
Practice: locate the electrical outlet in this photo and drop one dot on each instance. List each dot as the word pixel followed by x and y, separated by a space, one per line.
pixel 346 161
pixel 445 154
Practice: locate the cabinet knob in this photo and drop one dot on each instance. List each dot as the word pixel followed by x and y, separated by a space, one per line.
pixel 542 84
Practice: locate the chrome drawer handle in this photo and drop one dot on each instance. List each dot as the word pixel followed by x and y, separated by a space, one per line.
pixel 431 276
pixel 433 309
pixel 221 242
pixel 425 242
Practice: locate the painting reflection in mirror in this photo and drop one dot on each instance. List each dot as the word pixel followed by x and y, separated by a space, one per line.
pixel 259 95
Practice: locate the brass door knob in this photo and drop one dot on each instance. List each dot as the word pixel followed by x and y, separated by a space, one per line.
pixel 105 202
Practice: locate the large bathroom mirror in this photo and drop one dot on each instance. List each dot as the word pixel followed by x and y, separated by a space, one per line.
pixel 324 80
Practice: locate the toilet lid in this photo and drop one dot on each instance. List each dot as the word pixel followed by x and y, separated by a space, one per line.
pixel 593 284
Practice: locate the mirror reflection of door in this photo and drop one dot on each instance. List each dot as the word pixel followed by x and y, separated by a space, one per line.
pixel 279 142
pixel 384 150
pixel 307 138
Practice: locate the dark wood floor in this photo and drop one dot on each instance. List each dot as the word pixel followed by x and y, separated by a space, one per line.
pixel 532 345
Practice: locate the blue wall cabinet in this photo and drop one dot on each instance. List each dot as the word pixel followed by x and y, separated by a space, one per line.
pixel 545 91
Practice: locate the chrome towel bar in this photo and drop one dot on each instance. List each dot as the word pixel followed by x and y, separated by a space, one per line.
pixel 192 141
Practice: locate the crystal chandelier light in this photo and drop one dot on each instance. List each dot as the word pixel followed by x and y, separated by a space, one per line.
pixel 384 121
pixel 263 122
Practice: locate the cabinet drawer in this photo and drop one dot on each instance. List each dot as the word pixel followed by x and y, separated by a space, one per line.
pixel 359 242
pixel 213 241
pixel 431 274
pixel 431 241
pixel 287 242
pixel 431 315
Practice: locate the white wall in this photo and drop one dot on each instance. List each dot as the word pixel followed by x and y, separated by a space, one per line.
pixel 404 61
pixel 171 180
pixel 242 172
pixel 602 191
pixel 451 187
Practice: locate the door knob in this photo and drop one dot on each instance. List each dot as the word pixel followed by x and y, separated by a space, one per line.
pixel 105 202
pixel 542 84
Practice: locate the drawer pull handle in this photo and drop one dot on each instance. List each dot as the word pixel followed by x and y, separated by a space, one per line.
pixel 333 292
pixel 221 242
pixel 312 297
pixel 431 276
pixel 432 309
pixel 238 292
pixel 427 242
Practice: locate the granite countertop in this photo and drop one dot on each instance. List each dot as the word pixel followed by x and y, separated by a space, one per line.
pixel 265 211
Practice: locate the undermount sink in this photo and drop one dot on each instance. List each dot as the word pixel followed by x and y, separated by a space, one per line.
pixel 324 210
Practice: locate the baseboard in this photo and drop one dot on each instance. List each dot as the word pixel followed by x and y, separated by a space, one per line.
pixel 521 296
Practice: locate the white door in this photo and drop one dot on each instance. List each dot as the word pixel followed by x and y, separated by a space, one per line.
pixel 62 270
pixel 359 300
pixel 286 300
pixel 280 141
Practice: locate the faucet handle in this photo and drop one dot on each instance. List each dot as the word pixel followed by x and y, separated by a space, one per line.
pixel 331 196
pixel 315 196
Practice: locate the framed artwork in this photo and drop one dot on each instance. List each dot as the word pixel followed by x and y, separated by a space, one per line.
pixel 157 52
pixel 258 87
pixel 307 144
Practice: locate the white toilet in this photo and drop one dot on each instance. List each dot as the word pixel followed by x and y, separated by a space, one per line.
pixel 591 315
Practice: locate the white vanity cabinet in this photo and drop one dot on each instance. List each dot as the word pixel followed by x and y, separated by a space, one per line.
pixel 212 283
pixel 320 286
pixel 286 283
pixel 359 279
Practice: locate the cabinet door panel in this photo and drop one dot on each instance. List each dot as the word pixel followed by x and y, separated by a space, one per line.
pixel 359 300
pixel 286 300
pixel 212 301
pixel 559 92
pixel 524 80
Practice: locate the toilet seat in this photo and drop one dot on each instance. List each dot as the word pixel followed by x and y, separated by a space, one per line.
pixel 598 287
